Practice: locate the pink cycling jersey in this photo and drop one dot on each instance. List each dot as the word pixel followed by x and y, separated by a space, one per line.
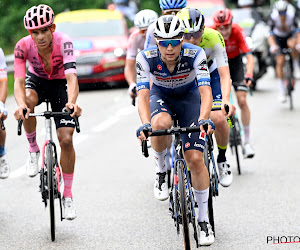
pixel 62 58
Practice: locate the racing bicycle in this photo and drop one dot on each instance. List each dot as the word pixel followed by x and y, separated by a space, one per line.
pixel 181 196
pixel 50 173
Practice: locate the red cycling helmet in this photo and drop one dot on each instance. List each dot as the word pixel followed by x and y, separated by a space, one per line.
pixel 38 17
pixel 223 17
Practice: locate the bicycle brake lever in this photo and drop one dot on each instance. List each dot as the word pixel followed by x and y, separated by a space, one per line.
pixel 77 126
pixel 145 148
pixel 20 122
pixel 2 124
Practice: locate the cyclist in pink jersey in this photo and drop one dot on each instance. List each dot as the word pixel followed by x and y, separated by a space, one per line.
pixel 4 167
pixel 51 76
pixel 136 42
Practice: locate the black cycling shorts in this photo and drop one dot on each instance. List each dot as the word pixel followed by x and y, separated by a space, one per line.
pixel 236 68
pixel 56 92
pixel 282 42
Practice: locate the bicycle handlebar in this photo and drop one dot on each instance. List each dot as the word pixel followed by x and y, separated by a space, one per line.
pixel 49 114
pixel 184 130
pixel 134 92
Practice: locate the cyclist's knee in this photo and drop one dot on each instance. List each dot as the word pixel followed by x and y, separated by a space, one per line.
pixel 65 141
pixel 218 118
pixel 194 161
pixel 161 121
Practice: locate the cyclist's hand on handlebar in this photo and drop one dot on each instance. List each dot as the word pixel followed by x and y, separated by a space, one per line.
pixel 19 112
pixel 297 47
pixel 132 90
pixel 211 126
pixel 72 106
pixel 231 109
pixel 140 134
pixel 248 80
pixel 274 49
pixel 3 111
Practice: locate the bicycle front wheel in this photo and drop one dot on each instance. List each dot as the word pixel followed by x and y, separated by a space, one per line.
pixel 183 206
pixel 237 141
pixel 50 165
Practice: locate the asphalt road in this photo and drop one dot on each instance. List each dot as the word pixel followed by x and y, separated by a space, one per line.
pixel 113 184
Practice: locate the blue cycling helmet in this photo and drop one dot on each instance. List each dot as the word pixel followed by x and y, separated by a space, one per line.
pixel 172 4
pixel 120 1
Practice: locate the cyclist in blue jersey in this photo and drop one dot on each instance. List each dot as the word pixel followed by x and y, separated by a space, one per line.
pixel 168 7
pixel 181 82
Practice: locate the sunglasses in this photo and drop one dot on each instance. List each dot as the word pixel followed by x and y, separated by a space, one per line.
pixel 224 27
pixel 196 35
pixel 173 42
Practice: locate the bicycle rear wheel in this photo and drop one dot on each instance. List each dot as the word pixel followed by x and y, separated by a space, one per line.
pixel 183 206
pixel 50 166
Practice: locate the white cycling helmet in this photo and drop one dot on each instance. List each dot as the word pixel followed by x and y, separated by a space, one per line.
pixel 168 26
pixel 144 18
pixel 281 5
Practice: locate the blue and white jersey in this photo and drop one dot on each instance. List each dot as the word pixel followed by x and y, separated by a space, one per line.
pixel 291 23
pixel 190 72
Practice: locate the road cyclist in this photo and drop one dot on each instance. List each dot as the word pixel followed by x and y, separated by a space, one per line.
pixel 236 47
pixel 173 68
pixel 136 41
pixel 284 33
pixel 51 76
pixel 213 44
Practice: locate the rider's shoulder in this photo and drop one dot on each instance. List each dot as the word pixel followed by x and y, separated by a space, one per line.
pixel 24 41
pixel 151 52
pixel 59 37
pixel 211 37
pixel 190 50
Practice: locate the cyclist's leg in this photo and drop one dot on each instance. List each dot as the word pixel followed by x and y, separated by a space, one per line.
pixel 35 91
pixel 4 167
pixel 64 128
pixel 222 131
pixel 161 118
pixel 280 59
pixel 291 43
pixel 193 146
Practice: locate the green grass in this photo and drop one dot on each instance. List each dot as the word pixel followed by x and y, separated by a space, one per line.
pixel 10 82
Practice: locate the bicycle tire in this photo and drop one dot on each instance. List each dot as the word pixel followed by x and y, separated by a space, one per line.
pixel 236 144
pixel 183 207
pixel 289 90
pixel 211 208
pixel 50 164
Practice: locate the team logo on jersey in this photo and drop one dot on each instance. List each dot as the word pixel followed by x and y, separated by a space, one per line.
pixel 160 101
pixel 151 53
pixel 187 145
pixel 203 65
pixel 159 67
pixel 139 68
pixel 190 52
pixel 202 136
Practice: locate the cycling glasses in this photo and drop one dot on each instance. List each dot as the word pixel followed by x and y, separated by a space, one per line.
pixel 196 35
pixel 173 42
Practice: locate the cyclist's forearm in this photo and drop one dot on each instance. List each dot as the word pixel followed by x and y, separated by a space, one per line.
pixel 250 64
pixel 225 81
pixel 271 40
pixel 3 90
pixel 206 102
pixel 72 87
pixel 144 106
pixel 129 71
pixel 19 91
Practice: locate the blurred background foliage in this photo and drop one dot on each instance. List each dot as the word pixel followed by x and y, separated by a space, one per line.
pixel 12 13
